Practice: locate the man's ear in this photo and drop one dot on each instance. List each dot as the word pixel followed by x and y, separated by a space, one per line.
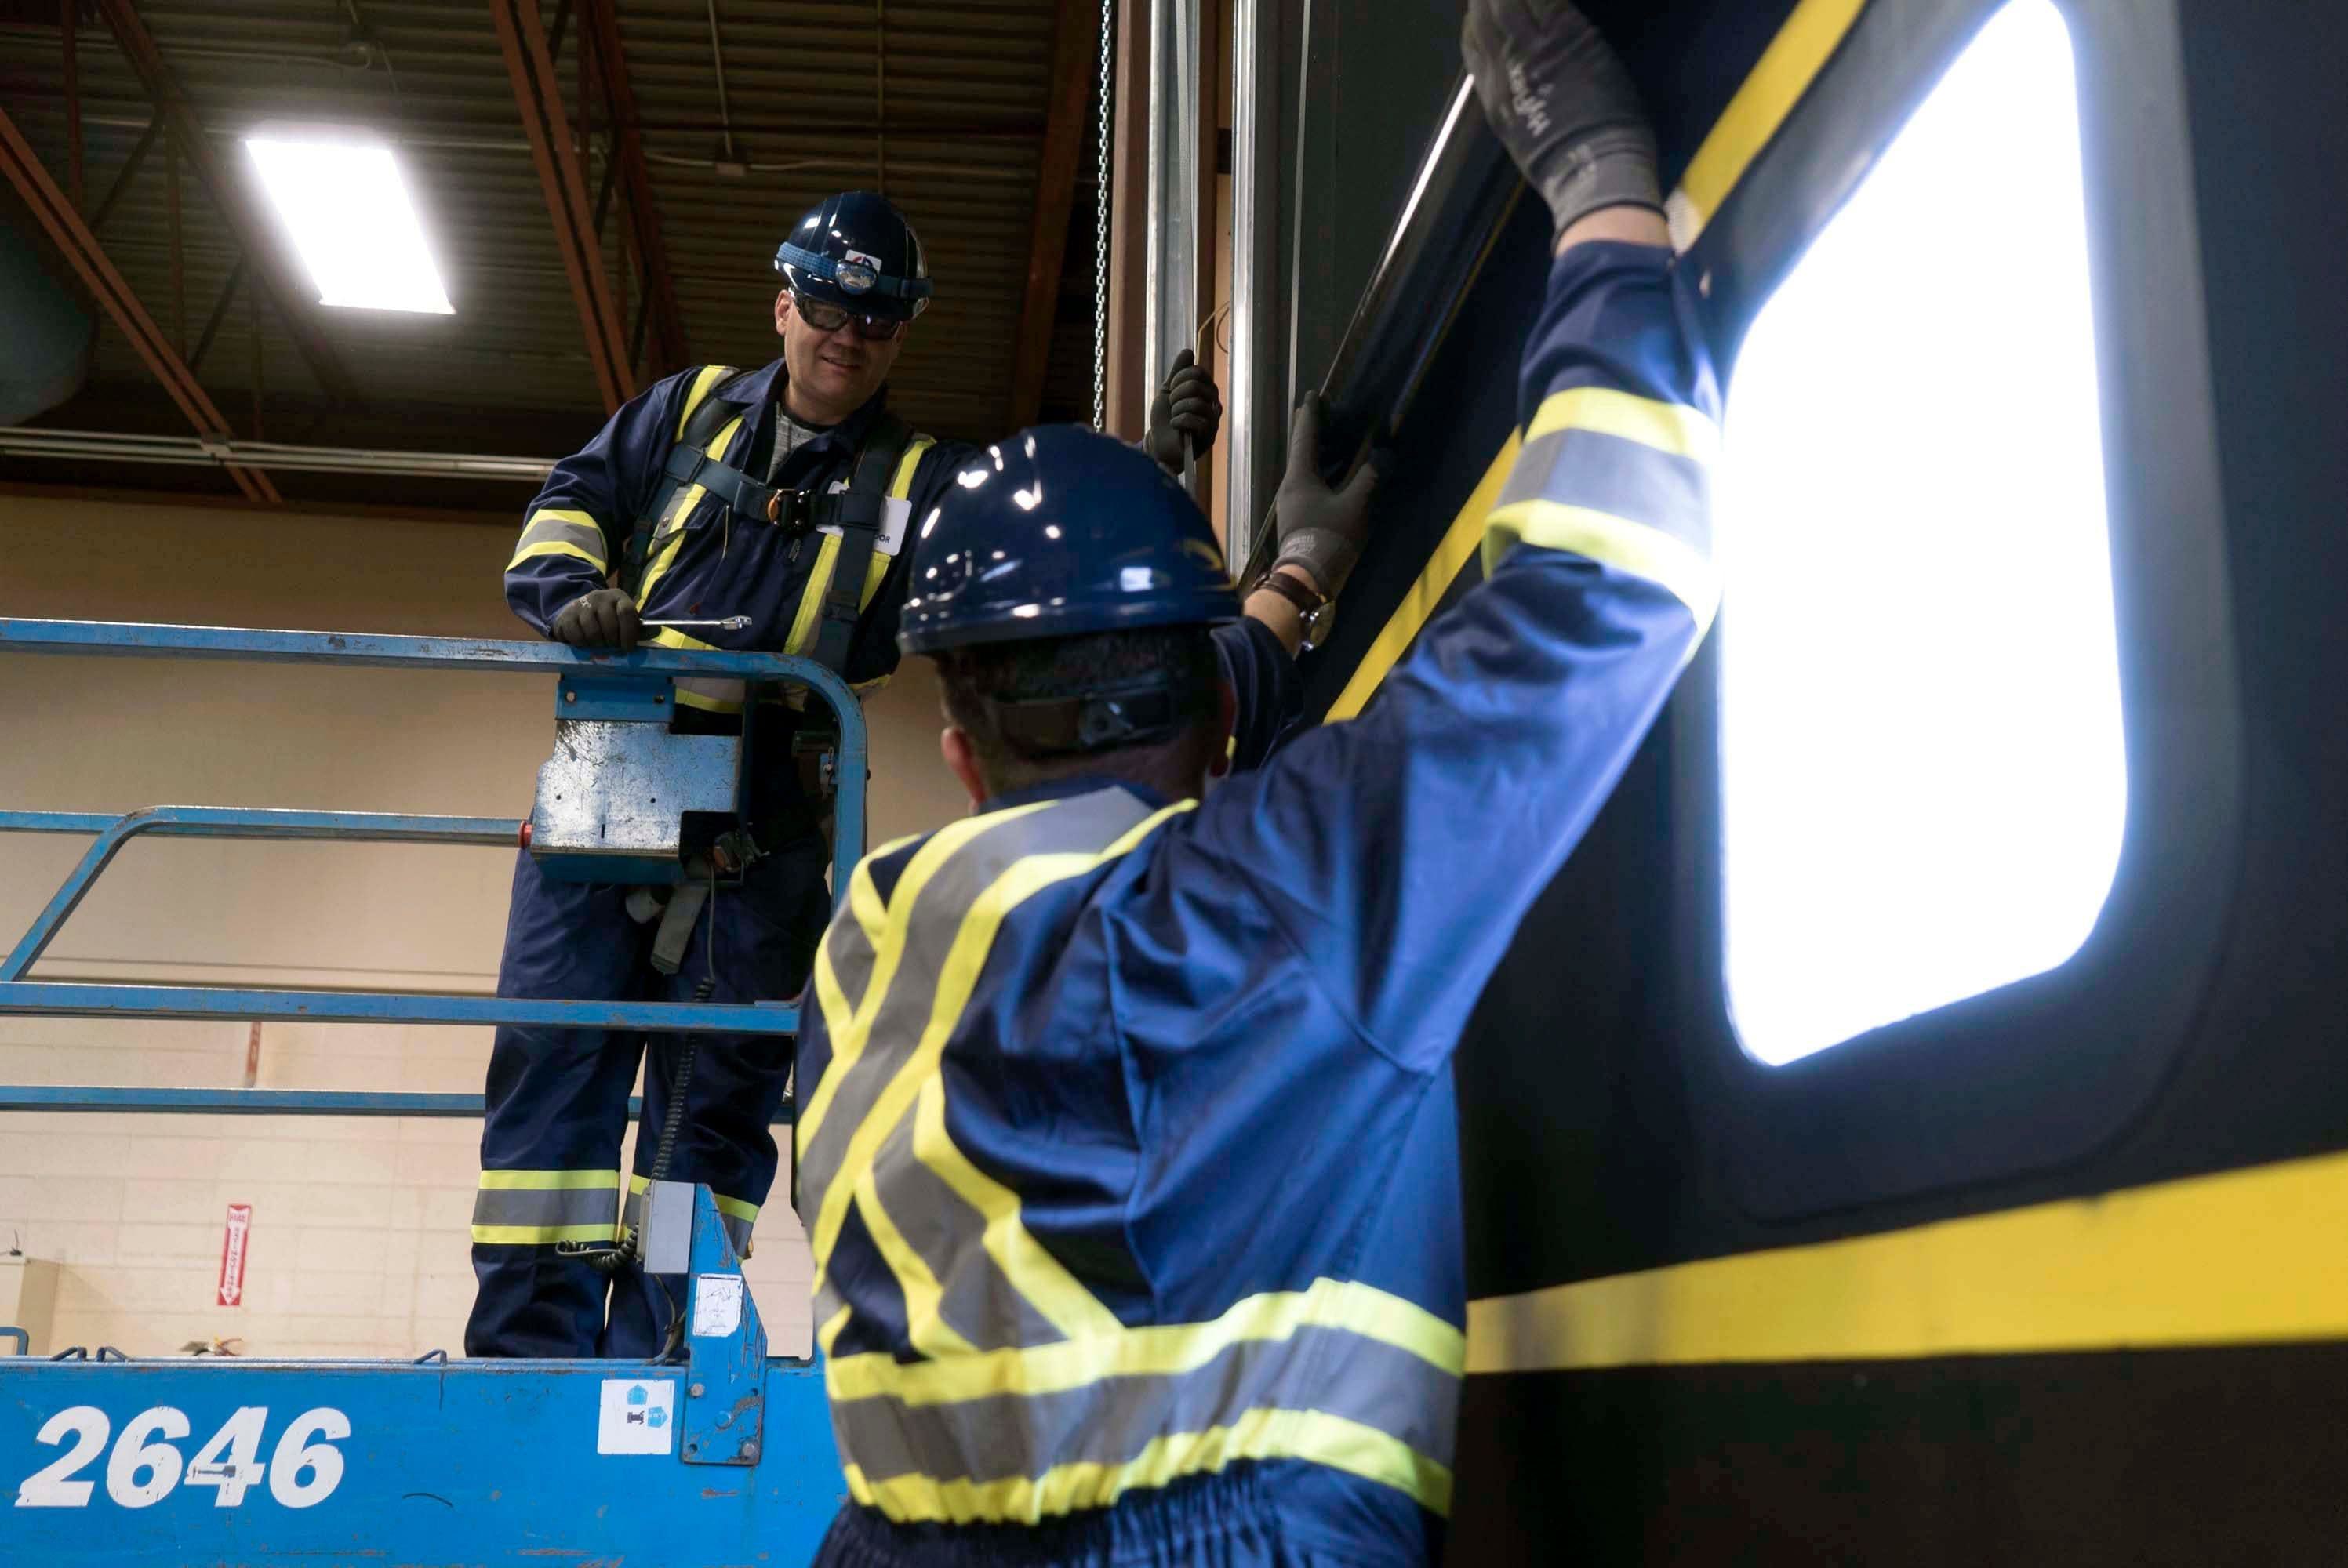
pixel 1227 717
pixel 961 756
pixel 782 308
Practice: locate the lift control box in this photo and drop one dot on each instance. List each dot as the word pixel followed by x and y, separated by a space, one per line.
pixel 625 797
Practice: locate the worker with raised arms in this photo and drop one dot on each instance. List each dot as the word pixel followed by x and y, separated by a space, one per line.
pixel 765 510
pixel 1127 1143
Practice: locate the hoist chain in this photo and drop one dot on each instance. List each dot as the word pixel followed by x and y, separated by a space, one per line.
pixel 1100 229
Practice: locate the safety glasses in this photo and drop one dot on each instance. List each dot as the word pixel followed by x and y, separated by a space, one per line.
pixel 829 318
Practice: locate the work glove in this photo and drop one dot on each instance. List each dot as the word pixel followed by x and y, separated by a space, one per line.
pixel 1318 528
pixel 1188 406
pixel 1560 100
pixel 604 619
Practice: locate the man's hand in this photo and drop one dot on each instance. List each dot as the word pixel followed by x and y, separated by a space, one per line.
pixel 604 619
pixel 1320 530
pixel 1563 106
pixel 1187 411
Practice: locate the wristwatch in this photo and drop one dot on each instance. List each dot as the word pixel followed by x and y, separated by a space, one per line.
pixel 1312 604
pixel 1307 599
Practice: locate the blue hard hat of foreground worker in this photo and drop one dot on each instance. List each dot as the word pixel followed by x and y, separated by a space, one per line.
pixel 1058 532
pixel 856 250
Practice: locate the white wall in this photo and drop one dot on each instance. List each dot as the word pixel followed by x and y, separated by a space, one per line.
pixel 359 1238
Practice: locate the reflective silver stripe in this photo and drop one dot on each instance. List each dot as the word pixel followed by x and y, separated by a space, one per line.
pixel 1110 1422
pixel 1620 477
pixel 828 1302
pixel 978 1300
pixel 543 1206
pixel 738 1229
pixel 849 948
pixel 551 529
pixel 1084 824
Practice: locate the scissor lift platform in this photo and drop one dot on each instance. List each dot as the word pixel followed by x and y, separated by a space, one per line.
pixel 719 1455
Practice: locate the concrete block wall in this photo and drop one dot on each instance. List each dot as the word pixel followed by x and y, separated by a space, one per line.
pixel 359 1230
pixel 357 1243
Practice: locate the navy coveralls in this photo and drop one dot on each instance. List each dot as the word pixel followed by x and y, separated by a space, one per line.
pixel 556 1099
pixel 1126 1145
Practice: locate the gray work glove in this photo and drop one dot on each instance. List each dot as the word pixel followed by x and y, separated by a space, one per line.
pixel 604 619
pixel 1320 530
pixel 1561 103
pixel 1186 409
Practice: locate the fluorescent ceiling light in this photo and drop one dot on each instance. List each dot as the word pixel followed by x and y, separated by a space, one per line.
pixel 352 220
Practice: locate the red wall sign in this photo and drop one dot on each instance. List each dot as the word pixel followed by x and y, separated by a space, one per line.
pixel 232 1274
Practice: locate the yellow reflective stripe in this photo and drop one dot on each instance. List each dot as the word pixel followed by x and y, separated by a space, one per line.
pixel 929 1332
pixel 826 561
pixel 702 385
pixel 830 996
pixel 555 548
pixel 829 1335
pixel 901 489
pixel 876 572
pixel 848 1044
pixel 549 1181
pixel 901 483
pixel 1635 548
pixel 672 521
pixel 1161 1350
pixel 570 515
pixel 1770 90
pixel 1259 1434
pixel 2246 1256
pixel 547 532
pixel 819 583
pixel 864 896
pixel 871 916
pixel 1672 428
pixel 1046 1283
pixel 685 699
pixel 1452 553
pixel 1036 1273
pixel 540 1235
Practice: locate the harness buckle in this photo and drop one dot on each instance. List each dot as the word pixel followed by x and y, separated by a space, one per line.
pixel 790 510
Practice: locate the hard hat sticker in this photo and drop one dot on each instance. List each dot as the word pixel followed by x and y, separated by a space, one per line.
pixel 856 272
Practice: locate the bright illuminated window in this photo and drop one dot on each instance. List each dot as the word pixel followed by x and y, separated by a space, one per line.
pixel 1924 783
pixel 352 220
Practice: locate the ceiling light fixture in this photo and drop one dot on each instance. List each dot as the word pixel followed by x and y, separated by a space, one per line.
pixel 353 222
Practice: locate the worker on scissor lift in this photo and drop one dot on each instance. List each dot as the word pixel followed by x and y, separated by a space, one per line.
pixel 1128 1157
pixel 780 497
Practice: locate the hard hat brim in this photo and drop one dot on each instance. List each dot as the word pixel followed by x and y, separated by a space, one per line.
pixel 941 635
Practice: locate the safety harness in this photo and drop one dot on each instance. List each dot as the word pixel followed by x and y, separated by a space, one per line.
pixel 859 512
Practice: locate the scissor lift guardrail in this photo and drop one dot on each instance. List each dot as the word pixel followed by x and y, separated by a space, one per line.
pixel 326 1462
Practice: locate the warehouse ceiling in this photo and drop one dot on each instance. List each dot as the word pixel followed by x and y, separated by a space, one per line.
pixel 697 131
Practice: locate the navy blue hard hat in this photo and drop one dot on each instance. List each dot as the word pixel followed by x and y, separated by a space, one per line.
pixel 856 250
pixel 1058 532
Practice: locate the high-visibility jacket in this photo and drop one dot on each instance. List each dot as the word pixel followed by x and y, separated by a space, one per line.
pixel 708 563
pixel 1126 1138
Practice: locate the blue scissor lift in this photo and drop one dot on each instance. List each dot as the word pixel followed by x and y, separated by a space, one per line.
pixel 721 1455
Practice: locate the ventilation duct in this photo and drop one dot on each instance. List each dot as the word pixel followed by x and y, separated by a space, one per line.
pixel 49 334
